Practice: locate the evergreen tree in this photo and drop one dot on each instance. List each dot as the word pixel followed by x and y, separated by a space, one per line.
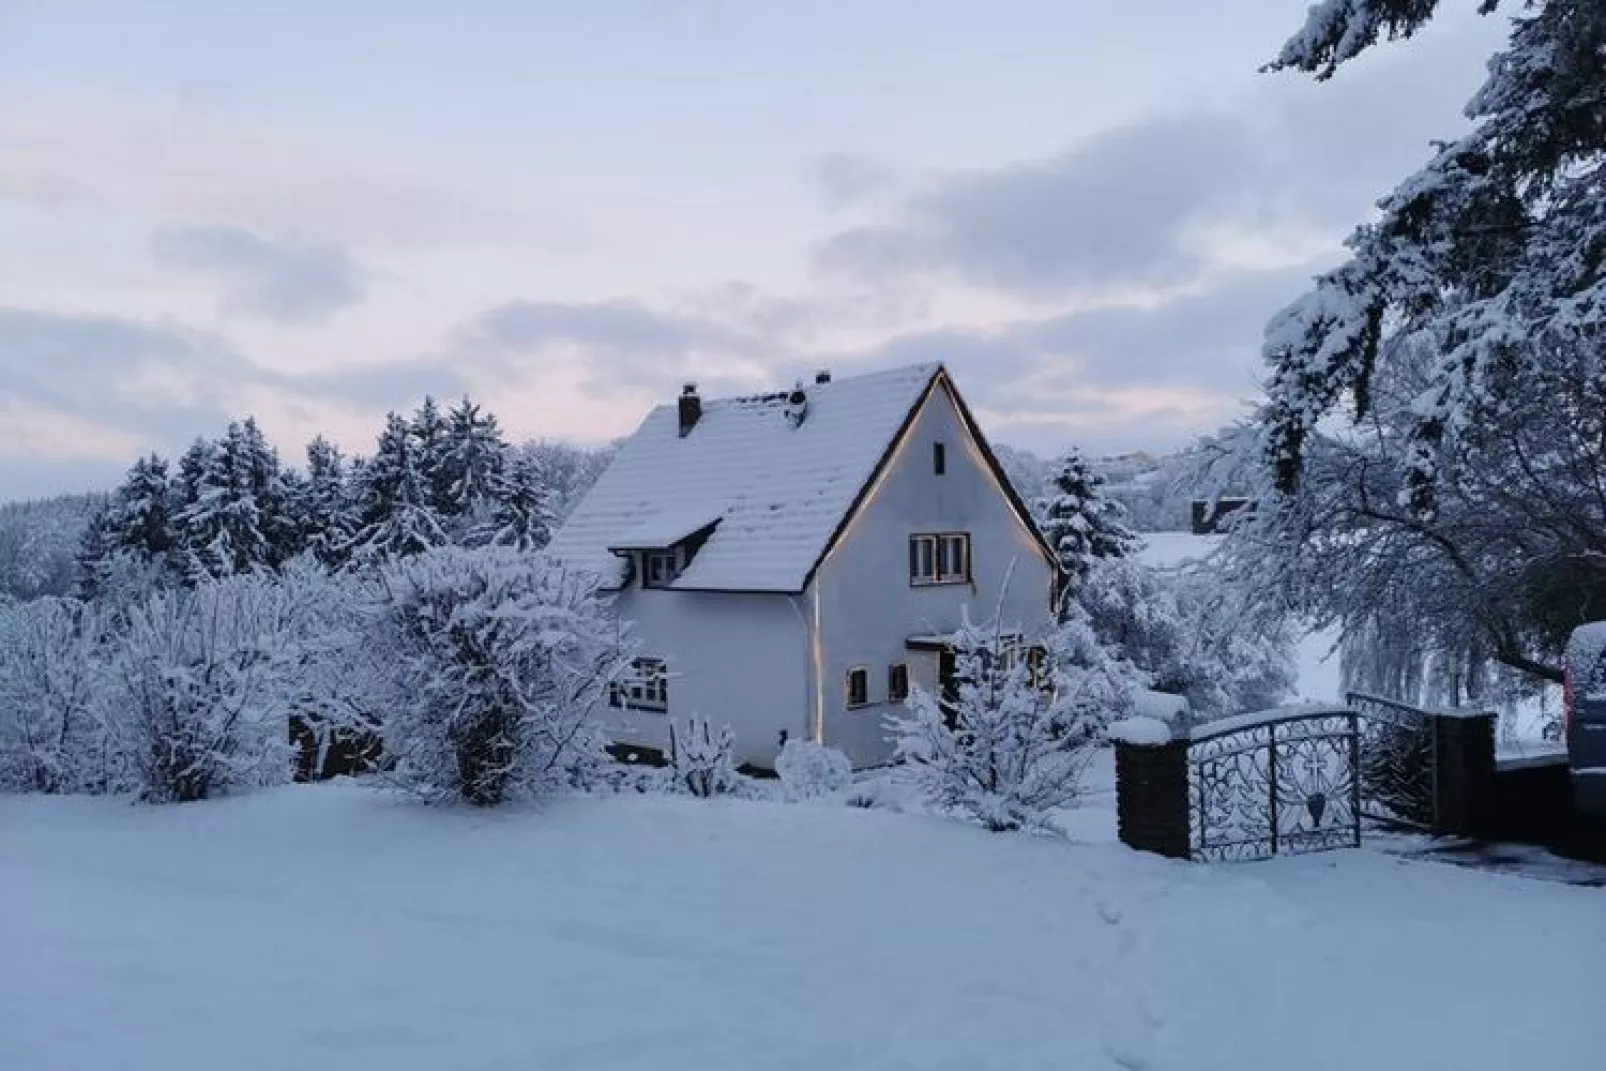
pixel 472 461
pixel 136 524
pixel 1079 521
pixel 429 445
pixel 520 515
pixel 398 519
pixel 239 519
pixel 326 512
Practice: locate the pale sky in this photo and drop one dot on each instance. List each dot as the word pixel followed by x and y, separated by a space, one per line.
pixel 317 211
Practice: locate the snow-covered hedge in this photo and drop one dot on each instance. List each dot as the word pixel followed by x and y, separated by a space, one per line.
pixel 809 770
pixel 494 662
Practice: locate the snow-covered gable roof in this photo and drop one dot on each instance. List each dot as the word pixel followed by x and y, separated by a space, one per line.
pixel 778 492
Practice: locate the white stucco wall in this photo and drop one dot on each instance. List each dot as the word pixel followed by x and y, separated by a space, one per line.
pixel 867 606
pixel 735 658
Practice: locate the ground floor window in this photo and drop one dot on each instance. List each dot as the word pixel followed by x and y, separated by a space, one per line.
pixel 897 683
pixel 644 686
pixel 858 687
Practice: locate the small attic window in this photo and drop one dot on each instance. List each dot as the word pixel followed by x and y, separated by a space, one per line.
pixel 939 458
pixel 658 569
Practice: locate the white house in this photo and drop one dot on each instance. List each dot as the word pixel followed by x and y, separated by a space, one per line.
pixel 792 562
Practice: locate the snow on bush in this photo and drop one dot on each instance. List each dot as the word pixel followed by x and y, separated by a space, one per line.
pixel 703 757
pixel 203 685
pixel 809 770
pixel 52 683
pixel 496 662
pixel 1019 736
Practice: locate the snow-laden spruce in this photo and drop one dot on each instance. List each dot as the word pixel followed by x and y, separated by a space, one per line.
pixel 495 662
pixel 1017 739
pixel 1079 520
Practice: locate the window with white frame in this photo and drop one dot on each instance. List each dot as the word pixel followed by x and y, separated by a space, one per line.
pixel 939 558
pixel 645 686
pixel 858 687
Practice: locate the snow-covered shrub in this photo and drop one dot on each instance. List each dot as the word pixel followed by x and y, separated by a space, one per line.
pixel 52 691
pixel 1014 746
pixel 495 661
pixel 703 757
pixel 809 770
pixel 1190 632
pixel 204 680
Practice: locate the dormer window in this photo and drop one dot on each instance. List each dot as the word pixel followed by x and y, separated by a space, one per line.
pixel 658 569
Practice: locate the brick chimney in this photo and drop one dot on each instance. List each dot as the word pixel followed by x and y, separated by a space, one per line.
pixel 823 376
pixel 691 408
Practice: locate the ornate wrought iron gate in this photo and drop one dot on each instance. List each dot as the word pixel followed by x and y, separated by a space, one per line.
pixel 1398 762
pixel 1284 783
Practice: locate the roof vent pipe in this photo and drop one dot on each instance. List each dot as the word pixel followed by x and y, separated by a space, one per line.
pixel 797 405
pixel 691 408
pixel 823 376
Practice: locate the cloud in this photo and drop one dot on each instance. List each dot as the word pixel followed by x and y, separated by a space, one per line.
pixel 1115 208
pixel 1208 339
pixel 1166 201
pixel 844 179
pixel 622 345
pixel 287 281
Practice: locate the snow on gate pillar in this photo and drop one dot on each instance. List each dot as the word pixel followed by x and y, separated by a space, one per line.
pixel 1151 787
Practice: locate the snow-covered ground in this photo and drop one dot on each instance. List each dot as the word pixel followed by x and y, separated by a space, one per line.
pixel 328 926
pixel 1316 656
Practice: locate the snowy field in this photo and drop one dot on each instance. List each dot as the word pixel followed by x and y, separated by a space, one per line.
pixel 328 926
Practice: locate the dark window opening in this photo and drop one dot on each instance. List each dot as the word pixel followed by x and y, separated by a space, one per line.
pixel 939 458
pixel 897 683
pixel 658 569
pixel 645 686
pixel 858 687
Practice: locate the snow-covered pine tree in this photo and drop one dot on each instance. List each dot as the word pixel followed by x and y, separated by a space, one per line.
pixel 325 507
pixel 1485 267
pixel 1014 745
pixel 472 463
pixel 429 443
pixel 239 519
pixel 397 518
pixel 134 528
pixel 1080 522
pixel 519 516
pixel 496 663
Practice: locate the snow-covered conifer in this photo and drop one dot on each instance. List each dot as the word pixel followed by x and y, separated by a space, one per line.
pixel 473 457
pixel 519 516
pixel 1080 522
pixel 398 519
